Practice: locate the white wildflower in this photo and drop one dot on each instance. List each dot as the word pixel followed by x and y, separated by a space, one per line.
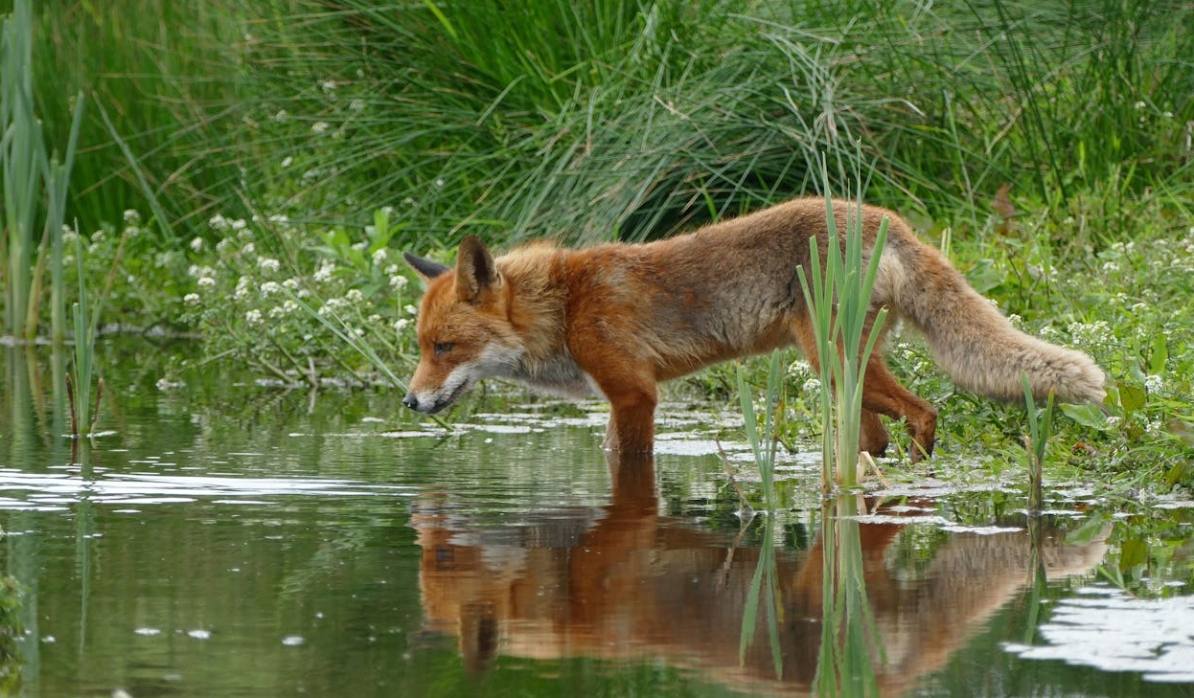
pixel 379 256
pixel 197 244
pixel 398 282
pixel 191 299
pixel 290 284
pixel 332 305
pixel 253 317
pixel 411 310
pixel 269 264
pixel 357 104
pixel 269 288
pixel 1153 383
pixel 328 85
pixel 281 115
pixel 324 273
pixel 354 295
pixel 242 286
pixel 218 222
pixel 223 245
pixel 132 217
pixel 248 249
pixel 402 324
pixel 206 282
pixel 319 127
pixel 287 161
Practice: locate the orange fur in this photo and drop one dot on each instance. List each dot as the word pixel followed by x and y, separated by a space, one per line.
pixel 618 319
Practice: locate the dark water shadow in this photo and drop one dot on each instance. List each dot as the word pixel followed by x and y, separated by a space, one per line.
pixel 622 582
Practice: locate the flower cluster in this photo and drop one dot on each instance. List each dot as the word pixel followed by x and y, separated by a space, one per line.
pixel 289 313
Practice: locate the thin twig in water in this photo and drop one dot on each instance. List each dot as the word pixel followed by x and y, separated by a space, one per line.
pixel 725 463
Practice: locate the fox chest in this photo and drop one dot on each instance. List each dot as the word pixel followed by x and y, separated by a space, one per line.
pixel 558 374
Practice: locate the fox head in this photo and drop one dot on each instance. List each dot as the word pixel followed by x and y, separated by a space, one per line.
pixel 463 328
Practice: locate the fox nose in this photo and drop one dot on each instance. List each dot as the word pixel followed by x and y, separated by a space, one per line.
pixel 411 401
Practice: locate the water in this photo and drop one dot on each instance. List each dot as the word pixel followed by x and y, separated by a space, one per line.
pixel 224 539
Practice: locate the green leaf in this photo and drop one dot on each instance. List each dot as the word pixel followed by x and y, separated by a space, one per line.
pixel 1132 397
pixel 1159 354
pixel 1088 415
pixel 1132 553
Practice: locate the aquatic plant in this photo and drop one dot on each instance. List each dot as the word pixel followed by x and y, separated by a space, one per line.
pixel 83 414
pixel 29 175
pixel 1040 427
pixel 838 295
pixel 762 437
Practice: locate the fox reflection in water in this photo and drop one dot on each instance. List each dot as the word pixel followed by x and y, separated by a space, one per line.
pixel 621 581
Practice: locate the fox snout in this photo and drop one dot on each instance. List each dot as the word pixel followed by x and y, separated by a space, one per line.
pixel 412 401
pixel 432 403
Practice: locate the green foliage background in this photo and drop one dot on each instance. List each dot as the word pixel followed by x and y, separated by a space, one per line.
pixel 291 149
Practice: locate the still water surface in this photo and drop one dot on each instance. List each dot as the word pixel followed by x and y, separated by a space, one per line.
pixel 225 539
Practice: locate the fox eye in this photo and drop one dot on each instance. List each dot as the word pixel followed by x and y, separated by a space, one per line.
pixel 442 348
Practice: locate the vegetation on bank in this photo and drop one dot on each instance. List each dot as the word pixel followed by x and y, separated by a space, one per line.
pixel 245 161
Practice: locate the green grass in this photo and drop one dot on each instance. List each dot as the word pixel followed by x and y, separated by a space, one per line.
pixel 617 118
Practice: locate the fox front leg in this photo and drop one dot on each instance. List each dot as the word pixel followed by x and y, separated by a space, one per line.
pixel 631 426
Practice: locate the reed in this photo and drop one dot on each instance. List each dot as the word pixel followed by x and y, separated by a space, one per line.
pixel 1040 426
pixel 838 294
pixel 761 437
pixel 20 161
pixel 35 188
pixel 79 385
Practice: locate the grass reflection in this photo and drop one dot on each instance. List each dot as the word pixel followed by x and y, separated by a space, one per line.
pixel 850 642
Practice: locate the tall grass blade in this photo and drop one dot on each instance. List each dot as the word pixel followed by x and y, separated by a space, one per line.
pixel 57 177
pixel 150 194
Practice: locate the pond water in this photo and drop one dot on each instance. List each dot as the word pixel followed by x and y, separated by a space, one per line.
pixel 220 538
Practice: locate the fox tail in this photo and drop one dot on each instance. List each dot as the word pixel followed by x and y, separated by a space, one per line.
pixel 972 341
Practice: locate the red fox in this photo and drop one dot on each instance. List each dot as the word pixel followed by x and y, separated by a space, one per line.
pixel 617 319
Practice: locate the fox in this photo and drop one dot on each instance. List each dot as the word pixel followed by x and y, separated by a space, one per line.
pixel 617 319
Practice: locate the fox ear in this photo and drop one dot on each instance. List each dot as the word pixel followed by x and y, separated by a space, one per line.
pixel 475 271
pixel 425 268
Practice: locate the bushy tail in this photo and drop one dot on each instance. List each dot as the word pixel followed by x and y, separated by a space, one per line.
pixel 971 340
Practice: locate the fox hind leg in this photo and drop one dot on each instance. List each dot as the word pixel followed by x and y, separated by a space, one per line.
pixel 883 394
pixel 872 437
pixel 897 403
